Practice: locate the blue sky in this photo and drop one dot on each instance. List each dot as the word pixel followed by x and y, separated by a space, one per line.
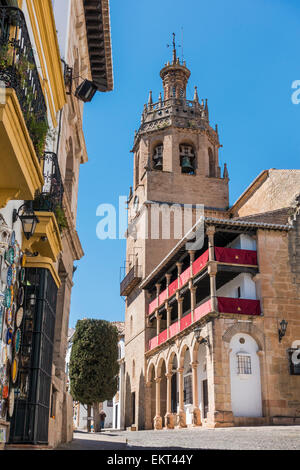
pixel 243 55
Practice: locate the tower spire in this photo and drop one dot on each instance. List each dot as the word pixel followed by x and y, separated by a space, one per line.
pixel 174 49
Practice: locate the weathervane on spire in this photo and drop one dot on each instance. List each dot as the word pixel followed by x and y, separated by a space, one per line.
pixel 174 48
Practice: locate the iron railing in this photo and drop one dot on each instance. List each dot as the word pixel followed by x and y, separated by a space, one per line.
pixel 130 281
pixel 18 70
pixel 51 196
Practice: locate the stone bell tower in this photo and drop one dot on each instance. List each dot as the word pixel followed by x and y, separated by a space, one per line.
pixel 176 162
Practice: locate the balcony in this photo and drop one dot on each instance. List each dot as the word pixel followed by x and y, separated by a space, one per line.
pixel 226 305
pixel 50 198
pixel 47 205
pixel 223 256
pixel 23 111
pixel 130 281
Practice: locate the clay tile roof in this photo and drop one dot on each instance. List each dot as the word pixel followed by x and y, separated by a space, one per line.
pixel 279 216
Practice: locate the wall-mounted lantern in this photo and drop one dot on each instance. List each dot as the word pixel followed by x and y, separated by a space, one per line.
pixel 28 219
pixel 282 330
pixel 199 338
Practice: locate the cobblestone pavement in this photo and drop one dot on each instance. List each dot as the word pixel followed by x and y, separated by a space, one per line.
pixel 259 438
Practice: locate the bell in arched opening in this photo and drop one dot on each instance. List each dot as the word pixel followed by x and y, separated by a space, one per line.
pixel 158 157
pixel 187 159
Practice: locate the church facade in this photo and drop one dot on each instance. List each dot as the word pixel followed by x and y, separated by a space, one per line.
pixel 212 328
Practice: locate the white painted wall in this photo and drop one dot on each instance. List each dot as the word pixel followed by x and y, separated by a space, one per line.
pixel 118 419
pixel 246 398
pixel 246 284
pixel 243 242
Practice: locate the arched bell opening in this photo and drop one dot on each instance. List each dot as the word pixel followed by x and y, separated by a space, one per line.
pixel 187 159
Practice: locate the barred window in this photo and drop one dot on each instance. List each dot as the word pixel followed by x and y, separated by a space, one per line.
pixel 244 364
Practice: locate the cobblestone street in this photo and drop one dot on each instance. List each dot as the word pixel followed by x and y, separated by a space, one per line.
pixel 260 438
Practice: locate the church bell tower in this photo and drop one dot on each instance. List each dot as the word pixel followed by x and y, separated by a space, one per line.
pixel 176 162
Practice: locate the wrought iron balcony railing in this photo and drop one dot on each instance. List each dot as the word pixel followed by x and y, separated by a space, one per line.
pixel 50 199
pixel 130 281
pixel 18 70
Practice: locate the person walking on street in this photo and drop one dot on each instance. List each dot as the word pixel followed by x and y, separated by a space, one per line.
pixel 102 419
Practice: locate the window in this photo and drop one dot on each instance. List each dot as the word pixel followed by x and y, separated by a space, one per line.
pixel 174 92
pixel 187 390
pixel 181 93
pixel 238 292
pixel 244 364
pixel 187 159
pixel 137 170
pixel 158 157
pixel 212 165
pixel 109 403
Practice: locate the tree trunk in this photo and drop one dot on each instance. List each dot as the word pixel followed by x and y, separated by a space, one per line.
pixel 96 410
pixel 89 414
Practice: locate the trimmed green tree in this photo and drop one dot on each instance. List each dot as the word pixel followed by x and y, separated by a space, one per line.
pixel 94 363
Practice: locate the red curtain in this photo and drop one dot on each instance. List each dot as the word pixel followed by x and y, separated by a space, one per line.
pixel 174 329
pixel 234 256
pixel 241 306
pixel 173 287
pixel 162 297
pixel 185 321
pixel 200 262
pixel 152 306
pixel 202 310
pixel 185 276
pixel 163 337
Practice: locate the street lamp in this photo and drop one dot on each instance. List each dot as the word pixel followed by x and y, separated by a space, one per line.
pixel 199 338
pixel 86 91
pixel 28 219
pixel 282 330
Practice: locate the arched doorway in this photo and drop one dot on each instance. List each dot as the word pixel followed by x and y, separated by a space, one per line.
pixel 246 400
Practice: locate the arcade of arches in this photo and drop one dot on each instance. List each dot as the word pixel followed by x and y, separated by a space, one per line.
pixel 181 383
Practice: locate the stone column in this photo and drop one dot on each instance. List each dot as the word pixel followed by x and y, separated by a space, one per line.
pixel 181 417
pixel 158 418
pixel 179 271
pixel 158 318
pixel 196 411
pixel 212 271
pixel 193 298
pixel 168 278
pixel 169 310
pixel 192 259
pixel 180 302
pixel 169 417
pixel 148 417
pixel 210 232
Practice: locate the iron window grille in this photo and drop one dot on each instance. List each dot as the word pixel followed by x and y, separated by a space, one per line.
pixel 244 364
